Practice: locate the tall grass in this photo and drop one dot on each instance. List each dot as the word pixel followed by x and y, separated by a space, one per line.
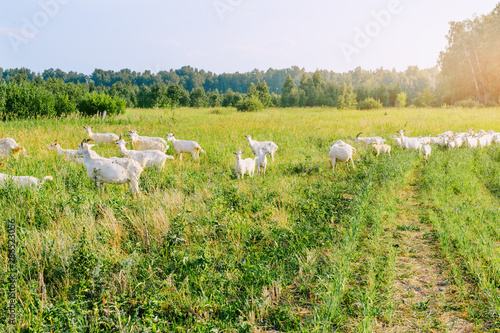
pixel 202 251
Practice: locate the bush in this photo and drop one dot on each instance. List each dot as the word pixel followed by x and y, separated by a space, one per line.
pixel 370 104
pixel 95 103
pixel 25 100
pixel 467 104
pixel 64 106
pixel 251 103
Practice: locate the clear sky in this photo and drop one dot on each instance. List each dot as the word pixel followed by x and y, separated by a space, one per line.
pixel 227 35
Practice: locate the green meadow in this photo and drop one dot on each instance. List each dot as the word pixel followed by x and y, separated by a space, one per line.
pixel 395 245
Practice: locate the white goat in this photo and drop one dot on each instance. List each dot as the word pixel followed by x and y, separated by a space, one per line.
pixel 256 146
pixel 426 151
pixel 381 148
pixel 397 141
pixel 146 144
pixel 410 143
pixel 9 146
pixel 113 171
pixel 146 158
pixel 184 146
pixel 343 152
pixel 22 181
pixel 244 166
pixel 369 140
pixel 470 141
pixel 261 160
pixel 67 154
pixel 100 138
pixel 150 138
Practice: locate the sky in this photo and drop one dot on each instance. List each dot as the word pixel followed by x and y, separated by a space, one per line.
pixel 227 36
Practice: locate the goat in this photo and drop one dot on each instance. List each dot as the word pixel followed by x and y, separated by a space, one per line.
pixel 9 146
pixel 343 152
pixel 368 140
pixel 67 154
pixel 113 171
pixel 426 151
pixel 244 166
pixel 410 143
pixel 184 146
pixel 261 160
pixel 23 181
pixel 256 146
pixel 381 148
pixel 100 138
pixel 146 158
pixel 146 144
pixel 150 138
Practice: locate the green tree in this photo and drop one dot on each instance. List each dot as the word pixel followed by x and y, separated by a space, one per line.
pixel 347 99
pixel 401 100
pixel 289 93
pixel 198 98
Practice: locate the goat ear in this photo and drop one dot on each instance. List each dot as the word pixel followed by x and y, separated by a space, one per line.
pixel 91 126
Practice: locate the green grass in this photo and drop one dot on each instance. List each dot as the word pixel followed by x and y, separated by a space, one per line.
pixel 301 249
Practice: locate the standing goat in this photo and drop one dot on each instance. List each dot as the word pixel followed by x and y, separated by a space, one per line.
pixel 66 154
pixel 256 146
pixel 113 171
pixel 343 152
pixel 426 151
pixel 184 146
pixel 100 138
pixel 143 143
pixel 410 143
pixel 381 148
pixel 146 158
pixel 368 140
pixel 244 166
pixel 261 161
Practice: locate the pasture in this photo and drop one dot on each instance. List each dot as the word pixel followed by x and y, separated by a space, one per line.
pixel 395 245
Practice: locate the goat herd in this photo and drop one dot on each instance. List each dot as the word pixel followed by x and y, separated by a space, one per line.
pixel 150 152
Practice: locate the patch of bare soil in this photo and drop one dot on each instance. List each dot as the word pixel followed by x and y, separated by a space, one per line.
pixel 423 296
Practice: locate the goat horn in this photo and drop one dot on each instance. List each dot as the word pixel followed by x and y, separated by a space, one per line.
pixel 359 134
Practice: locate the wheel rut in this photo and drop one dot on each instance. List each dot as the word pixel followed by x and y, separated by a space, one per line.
pixel 424 298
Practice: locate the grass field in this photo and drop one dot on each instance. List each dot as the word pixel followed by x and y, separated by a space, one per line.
pixel 396 245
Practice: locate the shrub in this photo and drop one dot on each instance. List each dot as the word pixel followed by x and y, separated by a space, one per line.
pixel 64 106
pixel 250 103
pixel 467 104
pixel 370 104
pixel 95 103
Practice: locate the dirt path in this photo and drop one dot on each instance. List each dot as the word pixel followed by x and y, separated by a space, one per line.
pixel 423 298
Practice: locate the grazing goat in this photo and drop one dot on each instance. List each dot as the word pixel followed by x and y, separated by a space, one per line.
pixel 113 171
pixel 22 181
pixel 67 154
pixel 146 158
pixel 9 146
pixel 256 146
pixel 426 151
pixel 368 140
pixel 261 161
pixel 184 146
pixel 343 152
pixel 100 138
pixel 381 148
pixel 244 166
pixel 146 144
